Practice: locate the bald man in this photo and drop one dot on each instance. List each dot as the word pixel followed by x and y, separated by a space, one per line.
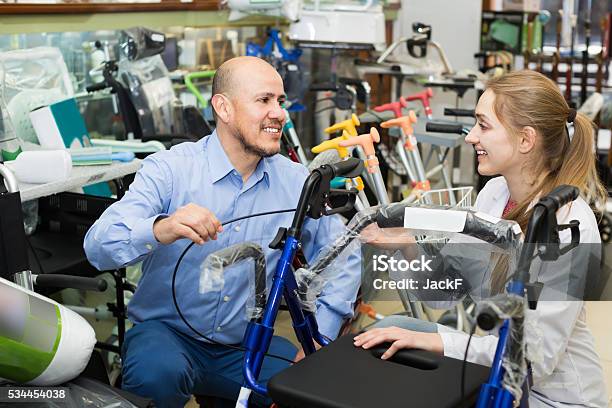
pixel 181 196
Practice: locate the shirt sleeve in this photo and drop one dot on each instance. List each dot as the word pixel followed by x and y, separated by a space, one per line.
pixel 337 298
pixel 123 234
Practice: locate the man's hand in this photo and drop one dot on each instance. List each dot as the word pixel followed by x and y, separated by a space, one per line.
pixel 300 354
pixel 400 339
pixel 196 223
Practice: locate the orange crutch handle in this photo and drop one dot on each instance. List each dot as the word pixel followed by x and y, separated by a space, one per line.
pixel 366 141
pixel 405 122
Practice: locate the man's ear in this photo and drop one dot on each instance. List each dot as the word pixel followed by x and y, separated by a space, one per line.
pixel 527 139
pixel 222 106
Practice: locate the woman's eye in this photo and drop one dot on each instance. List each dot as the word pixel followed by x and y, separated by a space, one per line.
pixel 482 126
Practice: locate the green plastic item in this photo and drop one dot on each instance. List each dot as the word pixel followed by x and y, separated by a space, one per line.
pixel 505 33
pixel 536 41
pixel 10 149
pixel 28 347
pixel 10 155
pixel 194 90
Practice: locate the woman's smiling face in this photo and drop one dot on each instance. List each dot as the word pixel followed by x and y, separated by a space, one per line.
pixel 495 147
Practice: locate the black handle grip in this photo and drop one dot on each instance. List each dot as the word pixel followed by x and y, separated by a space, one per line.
pixel 74 282
pixel 96 87
pixel 391 216
pixel 326 86
pixel 347 168
pixel 444 127
pixel 562 195
pixel 487 319
pixel 468 113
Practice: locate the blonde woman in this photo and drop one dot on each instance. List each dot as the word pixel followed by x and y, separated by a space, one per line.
pixel 521 134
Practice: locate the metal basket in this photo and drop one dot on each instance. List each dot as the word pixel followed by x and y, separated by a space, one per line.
pixel 463 196
pixel 442 197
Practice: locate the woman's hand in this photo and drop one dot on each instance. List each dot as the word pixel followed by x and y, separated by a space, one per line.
pixel 400 339
pixel 390 239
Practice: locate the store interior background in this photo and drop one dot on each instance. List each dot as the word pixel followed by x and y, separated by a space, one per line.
pixel 456 26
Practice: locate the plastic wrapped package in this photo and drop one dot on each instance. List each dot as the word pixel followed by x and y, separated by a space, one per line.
pixel 41 341
pixel 139 42
pixel 213 268
pixel 511 306
pixel 311 281
pixel 10 146
pixel 471 247
pixel 31 78
pixel 152 94
pixel 427 218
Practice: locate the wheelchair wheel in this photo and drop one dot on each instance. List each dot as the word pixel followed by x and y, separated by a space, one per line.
pixel 391 160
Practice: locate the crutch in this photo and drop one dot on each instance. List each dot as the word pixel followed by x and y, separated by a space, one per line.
pixel 350 127
pixel 424 97
pixel 366 141
pixel 408 151
pixel 361 201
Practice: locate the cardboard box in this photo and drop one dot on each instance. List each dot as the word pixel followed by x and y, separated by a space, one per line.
pixel 60 125
pixel 522 5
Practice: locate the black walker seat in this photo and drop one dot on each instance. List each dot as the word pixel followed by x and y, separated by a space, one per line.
pixel 341 375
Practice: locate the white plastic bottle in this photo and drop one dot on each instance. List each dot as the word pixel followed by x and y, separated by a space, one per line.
pixel 41 166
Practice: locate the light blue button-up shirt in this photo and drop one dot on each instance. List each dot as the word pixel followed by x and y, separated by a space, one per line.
pixel 201 173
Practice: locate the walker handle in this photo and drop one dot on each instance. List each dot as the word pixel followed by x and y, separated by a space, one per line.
pixel 424 97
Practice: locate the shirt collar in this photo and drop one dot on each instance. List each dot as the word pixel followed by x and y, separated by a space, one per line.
pixel 220 166
pixel 263 171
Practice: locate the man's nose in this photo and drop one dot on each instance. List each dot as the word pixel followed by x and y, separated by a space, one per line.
pixel 277 112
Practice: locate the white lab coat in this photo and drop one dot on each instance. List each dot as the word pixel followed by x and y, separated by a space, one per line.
pixel 569 373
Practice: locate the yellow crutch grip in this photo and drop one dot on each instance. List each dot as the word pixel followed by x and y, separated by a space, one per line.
pixel 350 125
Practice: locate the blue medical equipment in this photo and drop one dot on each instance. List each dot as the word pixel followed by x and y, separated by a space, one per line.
pixel 541 239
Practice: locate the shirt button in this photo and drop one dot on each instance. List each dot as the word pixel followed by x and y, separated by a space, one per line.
pixel 226 298
pixel 219 328
pixel 149 246
pixel 237 228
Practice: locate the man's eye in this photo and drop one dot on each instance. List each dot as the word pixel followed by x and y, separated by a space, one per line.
pixel 264 100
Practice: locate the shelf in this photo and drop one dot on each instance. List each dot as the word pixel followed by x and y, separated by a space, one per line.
pixel 80 176
pixel 17 20
pixel 90 8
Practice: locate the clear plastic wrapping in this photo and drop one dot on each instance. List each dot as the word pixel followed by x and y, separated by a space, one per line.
pixel 213 268
pixel 152 94
pixel 139 42
pixel 511 306
pixel 471 248
pixel 311 281
pixel 31 78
